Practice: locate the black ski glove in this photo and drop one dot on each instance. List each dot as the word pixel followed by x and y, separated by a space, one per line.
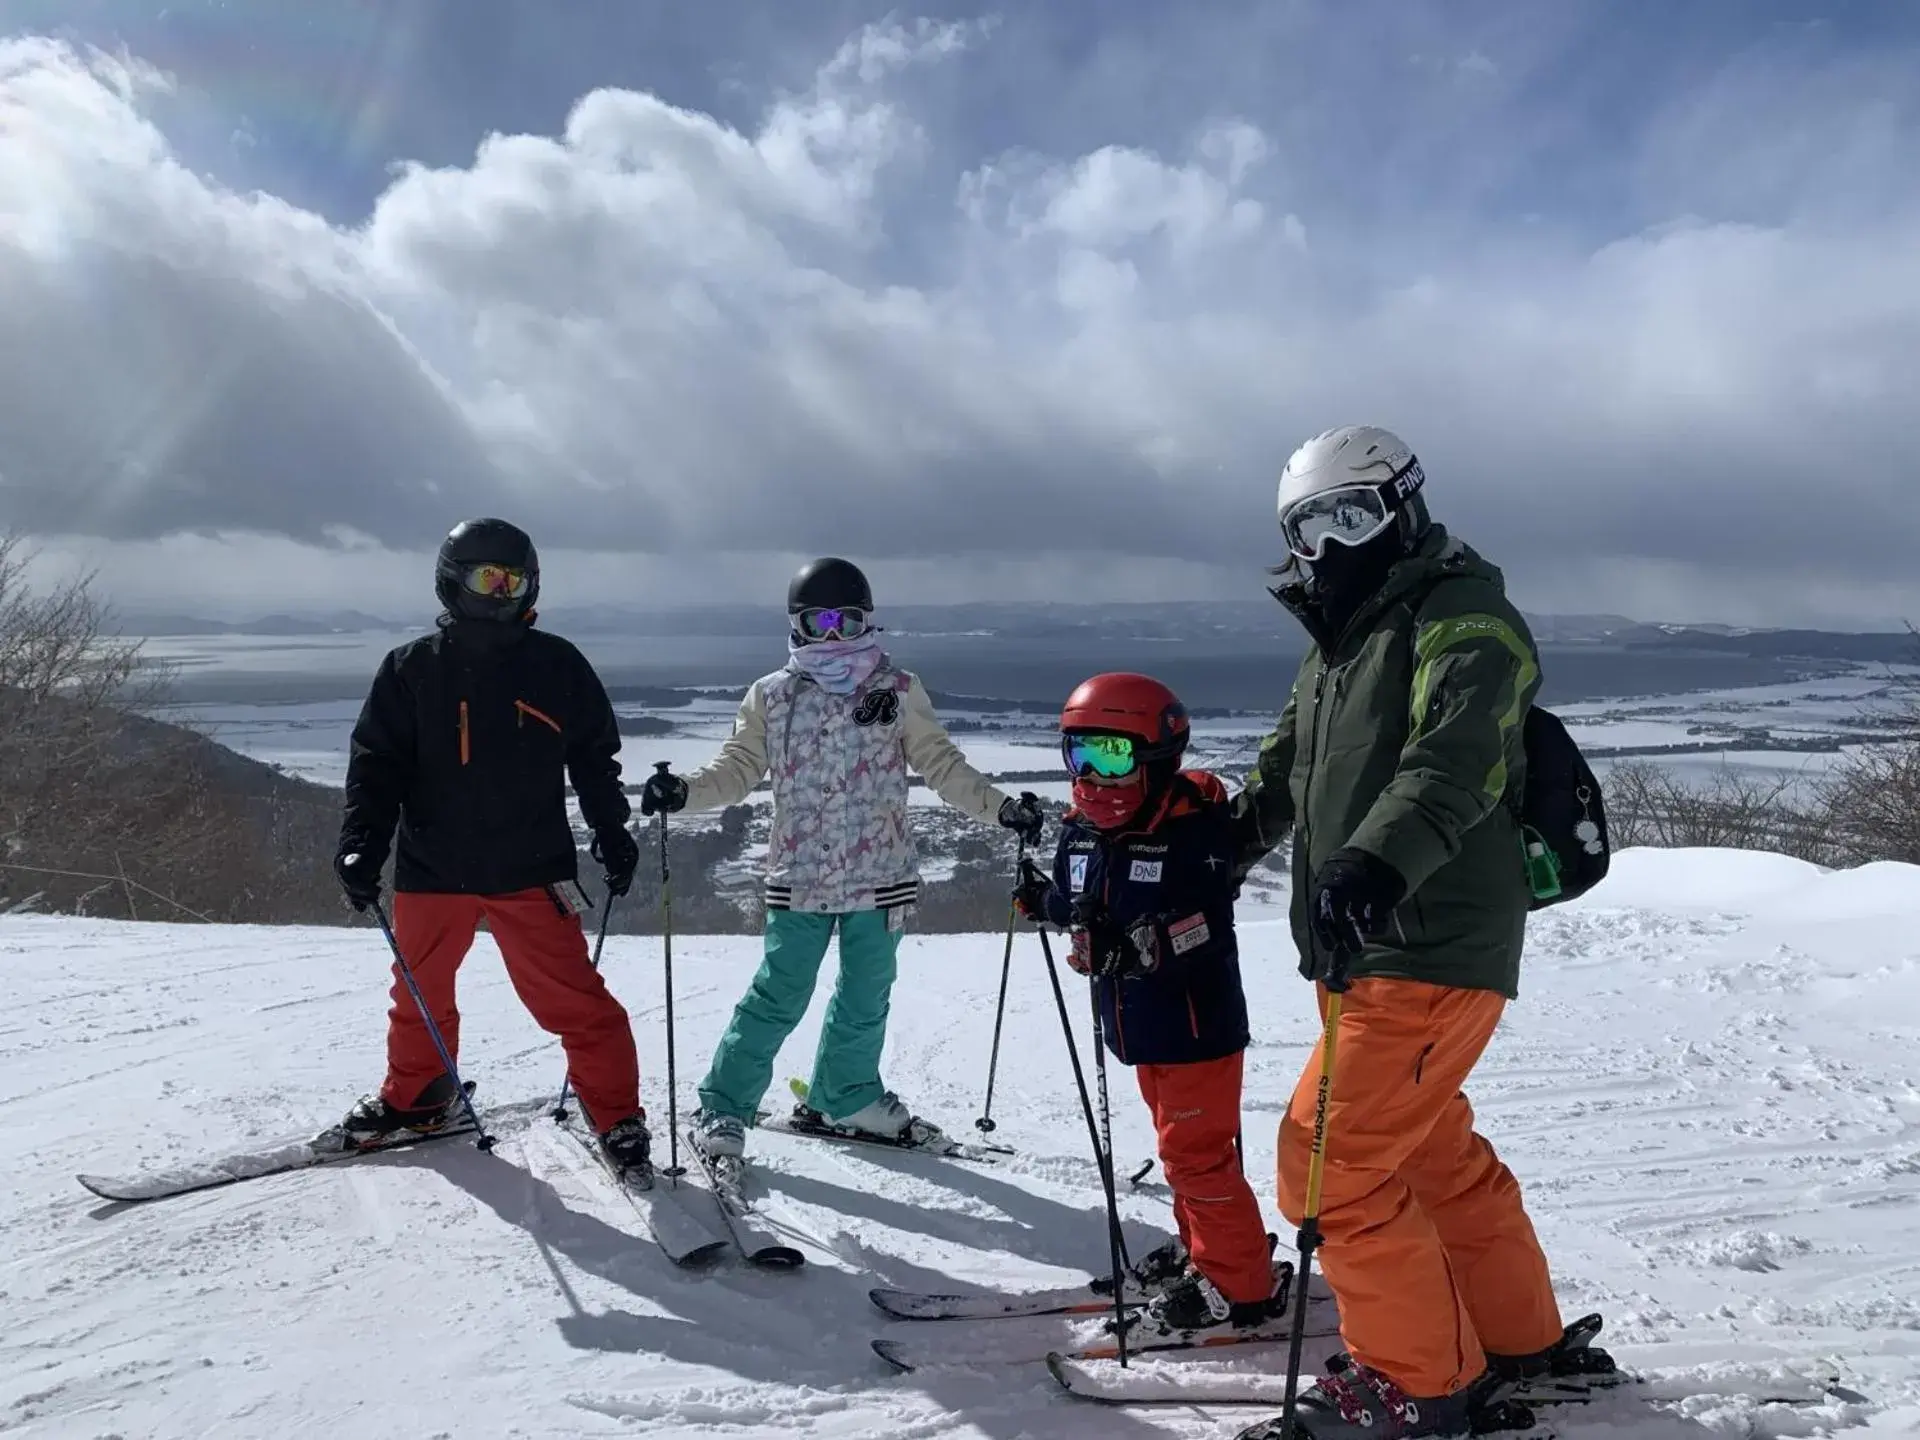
pixel 1146 944
pixel 1023 817
pixel 664 792
pixel 359 876
pixel 1033 896
pixel 1353 897
pixel 618 855
pixel 1100 947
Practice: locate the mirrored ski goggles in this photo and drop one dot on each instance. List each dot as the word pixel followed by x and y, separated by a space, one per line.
pixel 1351 515
pixel 1107 757
pixel 504 582
pixel 823 624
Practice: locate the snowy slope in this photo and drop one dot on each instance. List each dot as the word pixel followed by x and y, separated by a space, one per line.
pixel 1711 1090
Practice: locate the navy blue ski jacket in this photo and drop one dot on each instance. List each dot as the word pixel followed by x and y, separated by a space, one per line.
pixel 1178 873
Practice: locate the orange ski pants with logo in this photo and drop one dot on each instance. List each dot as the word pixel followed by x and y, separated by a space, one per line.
pixel 1196 1117
pixel 1427 1247
pixel 545 950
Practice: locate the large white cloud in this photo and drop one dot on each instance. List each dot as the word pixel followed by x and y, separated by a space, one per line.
pixel 651 333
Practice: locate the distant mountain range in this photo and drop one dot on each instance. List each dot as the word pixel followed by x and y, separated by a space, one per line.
pixel 338 622
pixel 1173 621
pixel 1617 632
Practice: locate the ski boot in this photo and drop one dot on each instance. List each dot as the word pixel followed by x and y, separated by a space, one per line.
pixel 1191 1304
pixel 1573 1355
pixel 1163 1265
pixel 1569 1368
pixel 716 1136
pixel 1152 1272
pixel 1354 1402
pixel 882 1119
pixel 628 1146
pixel 373 1119
pixel 886 1120
pixel 1497 1402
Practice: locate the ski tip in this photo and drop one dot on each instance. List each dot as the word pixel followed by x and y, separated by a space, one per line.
pixel 778 1257
pixel 701 1256
pixel 889 1351
pixel 902 1304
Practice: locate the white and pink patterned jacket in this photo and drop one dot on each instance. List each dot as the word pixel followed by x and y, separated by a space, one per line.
pixel 839 763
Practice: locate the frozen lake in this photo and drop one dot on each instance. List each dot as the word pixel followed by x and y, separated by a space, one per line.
pixel 308 738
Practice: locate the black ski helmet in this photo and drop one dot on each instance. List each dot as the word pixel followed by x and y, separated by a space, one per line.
pixel 829 584
pixel 485 542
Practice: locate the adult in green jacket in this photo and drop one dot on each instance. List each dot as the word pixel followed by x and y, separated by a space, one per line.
pixel 1398 764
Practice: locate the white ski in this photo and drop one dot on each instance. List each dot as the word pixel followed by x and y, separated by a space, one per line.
pixel 329 1147
pixel 663 1205
pixel 726 1177
pixel 1067 1300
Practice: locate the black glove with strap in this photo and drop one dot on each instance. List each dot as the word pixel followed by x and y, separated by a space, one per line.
pixel 1353 897
pixel 359 875
pixel 1023 817
pixel 1147 944
pixel 618 855
pixel 1031 895
pixel 1101 946
pixel 664 793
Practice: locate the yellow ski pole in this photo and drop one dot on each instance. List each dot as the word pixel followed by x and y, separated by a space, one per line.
pixel 1310 1237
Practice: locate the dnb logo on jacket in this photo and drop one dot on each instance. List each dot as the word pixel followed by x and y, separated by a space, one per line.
pixel 877 707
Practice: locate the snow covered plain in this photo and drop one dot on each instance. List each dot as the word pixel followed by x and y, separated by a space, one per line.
pixel 1710 1090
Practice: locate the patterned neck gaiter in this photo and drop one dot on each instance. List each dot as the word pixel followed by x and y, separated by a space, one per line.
pixel 839 666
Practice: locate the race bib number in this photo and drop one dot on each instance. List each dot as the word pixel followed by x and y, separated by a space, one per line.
pixel 1189 934
pixel 1145 872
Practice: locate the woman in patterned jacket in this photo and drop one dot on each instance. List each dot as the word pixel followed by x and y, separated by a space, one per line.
pixel 837 729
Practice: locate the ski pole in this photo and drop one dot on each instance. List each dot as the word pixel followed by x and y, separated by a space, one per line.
pixel 985 1123
pixel 1106 1114
pixel 485 1142
pixel 674 1168
pixel 1093 1134
pixel 1310 1237
pixel 566 1083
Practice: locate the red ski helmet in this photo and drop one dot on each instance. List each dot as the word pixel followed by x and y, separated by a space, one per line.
pixel 1121 736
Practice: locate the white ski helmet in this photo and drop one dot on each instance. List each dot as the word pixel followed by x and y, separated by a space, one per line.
pixel 1346 486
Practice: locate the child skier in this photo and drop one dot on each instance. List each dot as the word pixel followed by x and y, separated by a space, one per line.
pixel 837 728
pixel 1144 879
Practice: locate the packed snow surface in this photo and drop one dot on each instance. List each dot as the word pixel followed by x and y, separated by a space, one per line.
pixel 1710 1089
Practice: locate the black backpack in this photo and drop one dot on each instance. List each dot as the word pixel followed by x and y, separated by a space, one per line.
pixel 1561 811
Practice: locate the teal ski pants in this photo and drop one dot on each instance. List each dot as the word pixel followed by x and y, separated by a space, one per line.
pixel 846 1067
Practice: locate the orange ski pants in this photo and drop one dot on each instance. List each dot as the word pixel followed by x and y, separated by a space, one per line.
pixel 546 955
pixel 1428 1247
pixel 1196 1115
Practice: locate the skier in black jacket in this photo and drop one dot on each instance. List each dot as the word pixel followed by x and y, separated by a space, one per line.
pixel 465 743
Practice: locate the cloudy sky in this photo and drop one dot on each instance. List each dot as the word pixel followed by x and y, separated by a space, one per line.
pixel 1031 300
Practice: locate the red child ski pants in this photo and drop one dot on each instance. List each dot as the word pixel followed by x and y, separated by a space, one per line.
pixel 1196 1113
pixel 1428 1247
pixel 546 956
